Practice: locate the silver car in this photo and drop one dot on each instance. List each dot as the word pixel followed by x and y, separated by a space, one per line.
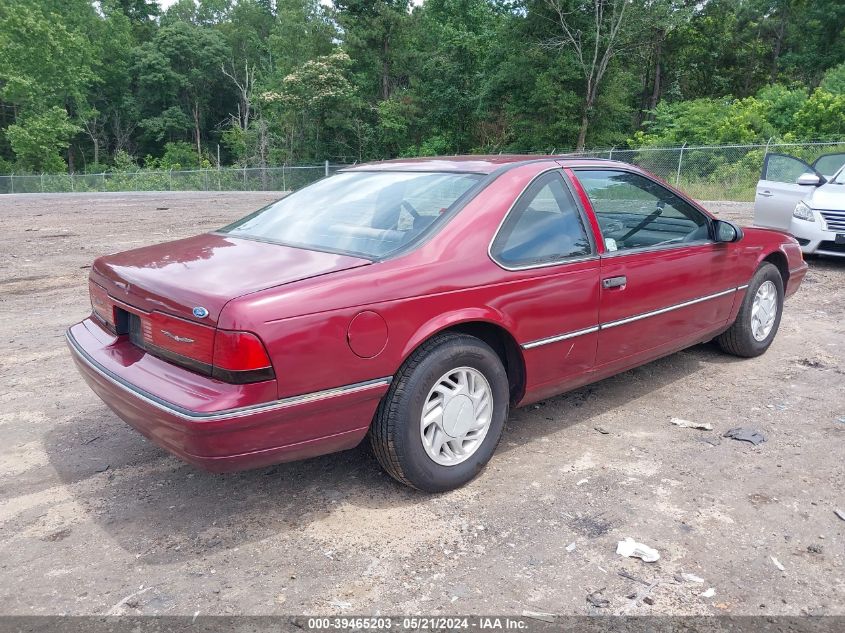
pixel 805 200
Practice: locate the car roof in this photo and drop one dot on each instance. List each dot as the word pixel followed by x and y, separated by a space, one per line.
pixel 478 164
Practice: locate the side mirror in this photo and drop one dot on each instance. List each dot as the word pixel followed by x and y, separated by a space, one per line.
pixel 810 180
pixel 727 231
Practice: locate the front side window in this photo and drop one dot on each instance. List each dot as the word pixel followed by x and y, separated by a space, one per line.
pixel 829 164
pixel 370 214
pixel 544 226
pixel 636 212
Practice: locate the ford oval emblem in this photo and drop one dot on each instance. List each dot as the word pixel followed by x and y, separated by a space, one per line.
pixel 200 312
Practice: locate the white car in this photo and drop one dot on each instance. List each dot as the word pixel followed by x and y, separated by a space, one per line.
pixel 805 200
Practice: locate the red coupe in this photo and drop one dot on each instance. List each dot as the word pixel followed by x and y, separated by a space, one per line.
pixel 416 301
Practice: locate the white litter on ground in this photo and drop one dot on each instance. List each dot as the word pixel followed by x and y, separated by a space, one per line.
pixel 630 548
pixel 704 426
pixel 537 615
pixel 341 604
pixel 692 578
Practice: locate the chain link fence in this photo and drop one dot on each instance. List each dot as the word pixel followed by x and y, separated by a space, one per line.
pixel 286 178
pixel 712 172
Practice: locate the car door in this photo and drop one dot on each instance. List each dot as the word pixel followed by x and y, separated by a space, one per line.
pixel 828 164
pixel 665 282
pixel 778 190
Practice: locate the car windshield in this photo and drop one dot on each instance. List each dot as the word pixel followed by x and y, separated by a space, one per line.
pixel 369 214
pixel 839 178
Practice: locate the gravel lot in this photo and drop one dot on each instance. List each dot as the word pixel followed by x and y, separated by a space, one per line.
pixel 96 520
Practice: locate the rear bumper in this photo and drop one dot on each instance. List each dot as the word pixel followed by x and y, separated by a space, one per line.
pixel 230 439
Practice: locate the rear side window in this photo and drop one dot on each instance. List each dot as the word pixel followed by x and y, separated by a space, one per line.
pixel 543 227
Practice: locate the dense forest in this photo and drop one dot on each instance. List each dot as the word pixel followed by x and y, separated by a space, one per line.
pixel 113 84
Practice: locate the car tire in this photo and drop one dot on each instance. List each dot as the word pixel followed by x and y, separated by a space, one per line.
pixel 407 449
pixel 746 337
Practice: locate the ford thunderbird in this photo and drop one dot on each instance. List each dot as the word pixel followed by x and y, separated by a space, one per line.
pixel 413 303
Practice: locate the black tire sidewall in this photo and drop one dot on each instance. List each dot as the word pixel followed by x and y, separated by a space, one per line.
pixel 417 467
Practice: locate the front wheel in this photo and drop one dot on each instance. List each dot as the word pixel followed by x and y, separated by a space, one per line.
pixel 443 416
pixel 759 316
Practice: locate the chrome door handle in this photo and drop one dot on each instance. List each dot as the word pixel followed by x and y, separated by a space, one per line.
pixel 614 282
pixel 766 194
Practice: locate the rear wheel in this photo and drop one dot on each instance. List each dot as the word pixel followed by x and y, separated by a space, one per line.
pixel 759 316
pixel 443 416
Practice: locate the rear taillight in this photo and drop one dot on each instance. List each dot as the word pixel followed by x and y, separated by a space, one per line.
pixel 102 305
pixel 180 336
pixel 240 357
pixel 183 342
pixel 235 357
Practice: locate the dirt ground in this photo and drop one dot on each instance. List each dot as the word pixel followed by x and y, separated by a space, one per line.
pixel 96 520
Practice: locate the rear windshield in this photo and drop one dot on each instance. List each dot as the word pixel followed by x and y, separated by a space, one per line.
pixel 369 214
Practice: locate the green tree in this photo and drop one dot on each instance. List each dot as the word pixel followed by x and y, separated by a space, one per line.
pixel 594 30
pixel 305 80
pixel 373 36
pixel 532 94
pixel 320 108
pixel 834 80
pixel 451 40
pixel 38 140
pixel 302 31
pixel 142 15
pixel 56 70
pixel 178 75
pixel 822 117
pixel 38 80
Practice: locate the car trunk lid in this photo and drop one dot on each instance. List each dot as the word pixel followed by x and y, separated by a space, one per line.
pixel 207 271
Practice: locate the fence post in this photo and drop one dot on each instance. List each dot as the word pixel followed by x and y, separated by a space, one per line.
pixel 103 177
pixel 766 151
pixel 170 179
pixel 42 182
pixel 72 188
pixel 680 159
pixel 284 180
pixel 244 177
pixel 610 155
pixel 12 182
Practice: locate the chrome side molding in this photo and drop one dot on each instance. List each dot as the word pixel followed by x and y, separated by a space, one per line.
pixel 677 306
pixel 631 319
pixel 560 337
